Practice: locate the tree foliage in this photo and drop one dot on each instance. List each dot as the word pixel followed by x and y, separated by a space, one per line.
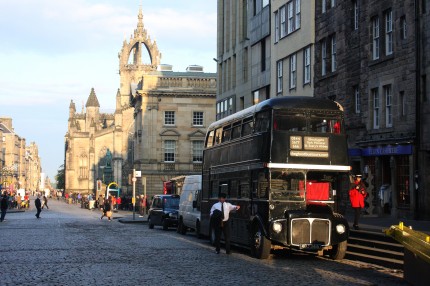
pixel 60 178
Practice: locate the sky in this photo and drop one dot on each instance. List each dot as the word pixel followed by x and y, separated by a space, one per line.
pixel 55 51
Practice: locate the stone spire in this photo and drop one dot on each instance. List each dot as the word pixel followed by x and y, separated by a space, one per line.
pixel 92 100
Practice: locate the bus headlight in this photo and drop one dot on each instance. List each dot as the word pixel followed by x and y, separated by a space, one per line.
pixel 340 228
pixel 277 227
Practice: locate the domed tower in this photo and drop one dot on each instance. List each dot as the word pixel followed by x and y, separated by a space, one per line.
pixel 138 56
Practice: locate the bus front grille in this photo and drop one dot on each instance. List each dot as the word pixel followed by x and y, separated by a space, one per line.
pixel 310 231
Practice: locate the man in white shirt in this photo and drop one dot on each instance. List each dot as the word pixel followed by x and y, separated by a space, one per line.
pixel 220 213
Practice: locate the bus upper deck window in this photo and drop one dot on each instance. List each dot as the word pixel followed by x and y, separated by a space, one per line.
pixel 293 122
pixel 247 126
pixel 218 136
pixel 210 140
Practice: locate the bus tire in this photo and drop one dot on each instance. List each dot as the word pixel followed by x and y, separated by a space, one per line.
pixel 150 224
pixel 182 229
pixel 338 251
pixel 260 245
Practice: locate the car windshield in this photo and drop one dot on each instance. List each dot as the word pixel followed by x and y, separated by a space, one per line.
pixel 171 202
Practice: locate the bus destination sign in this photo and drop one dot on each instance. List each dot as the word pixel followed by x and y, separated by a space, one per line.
pixel 308 146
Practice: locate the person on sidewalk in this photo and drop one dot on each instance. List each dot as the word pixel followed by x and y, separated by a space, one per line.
pixel 45 202
pixel 107 210
pixel 3 206
pixel 38 205
pixel 357 195
pixel 220 212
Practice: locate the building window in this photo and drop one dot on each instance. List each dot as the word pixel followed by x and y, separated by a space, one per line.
pixel 376 111
pixel 375 43
pixel 403 28
pixel 279 76
pixel 333 54
pixel 283 21
pixel 256 97
pixel 356 15
pixel 276 27
pixel 197 118
pixel 290 8
pixel 197 151
pixel 388 106
pixel 389 32
pixel 307 65
pixel 169 118
pixel 289 19
pixel 293 71
pixel 357 100
pixel 298 15
pixel 327 4
pixel 169 151
pixel 323 57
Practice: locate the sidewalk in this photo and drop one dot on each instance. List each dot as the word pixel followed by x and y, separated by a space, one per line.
pixel 379 224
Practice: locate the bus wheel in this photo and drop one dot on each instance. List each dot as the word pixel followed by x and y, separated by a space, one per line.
pixel 150 224
pixel 338 251
pixel 260 245
pixel 181 227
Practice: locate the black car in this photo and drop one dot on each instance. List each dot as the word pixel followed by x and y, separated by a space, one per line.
pixel 164 211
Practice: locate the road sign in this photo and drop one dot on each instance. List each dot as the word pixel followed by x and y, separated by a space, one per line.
pixel 138 174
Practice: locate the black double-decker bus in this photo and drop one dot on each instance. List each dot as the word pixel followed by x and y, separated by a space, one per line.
pixel 282 161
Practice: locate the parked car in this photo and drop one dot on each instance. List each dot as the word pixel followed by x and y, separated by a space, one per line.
pixel 189 211
pixel 164 211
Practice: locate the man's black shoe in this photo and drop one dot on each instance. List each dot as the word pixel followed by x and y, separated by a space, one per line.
pixel 217 251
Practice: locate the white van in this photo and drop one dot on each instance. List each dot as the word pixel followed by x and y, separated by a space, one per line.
pixel 189 211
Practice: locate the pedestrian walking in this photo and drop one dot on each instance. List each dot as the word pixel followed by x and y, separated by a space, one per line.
pixel 220 213
pixel 107 210
pixel 45 202
pixel 4 205
pixel 357 194
pixel 38 205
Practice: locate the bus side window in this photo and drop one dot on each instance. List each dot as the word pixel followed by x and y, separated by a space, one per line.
pixel 243 191
pixel 226 133
pixel 214 190
pixel 262 122
pixel 247 126
pixel 218 136
pixel 210 139
pixel 235 133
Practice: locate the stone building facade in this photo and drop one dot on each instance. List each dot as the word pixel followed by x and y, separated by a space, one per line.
pixel 158 126
pixel 366 59
pixel 20 164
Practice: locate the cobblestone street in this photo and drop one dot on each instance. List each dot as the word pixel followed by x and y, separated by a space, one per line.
pixel 72 246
